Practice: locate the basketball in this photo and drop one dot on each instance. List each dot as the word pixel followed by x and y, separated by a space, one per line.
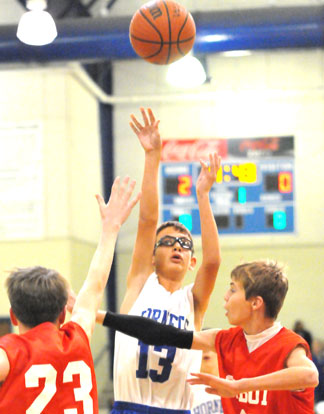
pixel 162 31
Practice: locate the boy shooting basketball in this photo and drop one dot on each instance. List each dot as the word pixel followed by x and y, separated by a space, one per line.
pixel 264 368
pixel 148 379
pixel 49 367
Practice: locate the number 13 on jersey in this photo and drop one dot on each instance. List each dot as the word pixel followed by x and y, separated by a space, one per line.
pixel 163 372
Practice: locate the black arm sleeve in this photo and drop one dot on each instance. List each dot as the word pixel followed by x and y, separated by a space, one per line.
pixel 148 330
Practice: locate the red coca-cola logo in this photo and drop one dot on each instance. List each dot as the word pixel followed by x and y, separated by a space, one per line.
pixel 270 144
pixel 192 149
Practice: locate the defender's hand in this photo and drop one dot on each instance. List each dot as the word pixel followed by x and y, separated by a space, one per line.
pixel 148 134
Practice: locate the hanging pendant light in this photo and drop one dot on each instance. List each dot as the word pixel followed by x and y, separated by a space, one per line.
pixel 36 27
pixel 187 72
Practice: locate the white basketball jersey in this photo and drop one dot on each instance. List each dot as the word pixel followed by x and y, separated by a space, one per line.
pixel 156 375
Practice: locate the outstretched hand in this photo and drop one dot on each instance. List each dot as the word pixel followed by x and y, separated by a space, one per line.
pixel 208 173
pixel 148 134
pixel 119 206
pixel 216 385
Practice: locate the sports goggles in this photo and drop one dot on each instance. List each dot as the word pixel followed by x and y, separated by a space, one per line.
pixel 184 242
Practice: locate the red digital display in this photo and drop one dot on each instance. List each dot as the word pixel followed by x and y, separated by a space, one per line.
pixel 185 185
pixel 285 182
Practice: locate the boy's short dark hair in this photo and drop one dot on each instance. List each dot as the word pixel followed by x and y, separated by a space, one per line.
pixel 266 279
pixel 178 226
pixel 36 294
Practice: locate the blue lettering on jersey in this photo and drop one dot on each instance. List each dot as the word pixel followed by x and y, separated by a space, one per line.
pixel 148 315
pixel 173 319
pixel 156 314
pixel 208 407
pixel 181 320
pixel 167 318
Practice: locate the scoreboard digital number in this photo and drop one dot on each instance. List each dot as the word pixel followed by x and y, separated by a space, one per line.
pixel 254 188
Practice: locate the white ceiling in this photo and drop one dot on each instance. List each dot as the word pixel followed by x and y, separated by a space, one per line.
pixel 128 7
pixel 11 10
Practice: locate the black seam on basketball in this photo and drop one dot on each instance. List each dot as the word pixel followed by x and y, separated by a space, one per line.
pixel 150 56
pixel 165 43
pixel 170 33
pixel 156 29
pixel 152 42
pixel 179 34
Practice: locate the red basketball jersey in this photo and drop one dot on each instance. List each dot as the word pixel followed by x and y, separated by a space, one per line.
pixel 51 371
pixel 235 362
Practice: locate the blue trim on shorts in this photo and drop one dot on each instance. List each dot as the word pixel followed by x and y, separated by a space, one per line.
pixel 123 407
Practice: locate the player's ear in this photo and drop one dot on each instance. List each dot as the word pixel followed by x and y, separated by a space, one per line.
pixel 193 262
pixel 257 302
pixel 62 315
pixel 13 317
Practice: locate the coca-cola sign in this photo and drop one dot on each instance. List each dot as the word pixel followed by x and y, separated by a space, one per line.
pixel 182 150
pixel 192 149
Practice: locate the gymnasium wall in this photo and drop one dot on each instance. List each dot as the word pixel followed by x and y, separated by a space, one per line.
pixel 39 96
pixel 71 163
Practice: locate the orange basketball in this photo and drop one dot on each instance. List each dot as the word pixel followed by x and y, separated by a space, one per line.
pixel 162 31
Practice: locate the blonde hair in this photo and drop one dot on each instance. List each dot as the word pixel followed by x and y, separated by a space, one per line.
pixel 263 278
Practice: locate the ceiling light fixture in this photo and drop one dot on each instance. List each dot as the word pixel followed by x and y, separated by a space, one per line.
pixel 187 72
pixel 36 27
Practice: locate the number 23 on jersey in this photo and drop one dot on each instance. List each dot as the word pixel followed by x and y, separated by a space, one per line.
pixel 51 376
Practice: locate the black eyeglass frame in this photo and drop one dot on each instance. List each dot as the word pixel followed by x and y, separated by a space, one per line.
pixel 174 240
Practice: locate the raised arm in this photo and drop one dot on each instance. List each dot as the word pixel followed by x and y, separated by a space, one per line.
pixel 141 265
pixel 300 373
pixel 207 273
pixel 113 214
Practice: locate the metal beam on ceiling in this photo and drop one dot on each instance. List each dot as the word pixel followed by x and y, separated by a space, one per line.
pixel 95 39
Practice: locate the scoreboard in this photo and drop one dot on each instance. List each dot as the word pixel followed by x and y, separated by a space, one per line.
pixel 254 189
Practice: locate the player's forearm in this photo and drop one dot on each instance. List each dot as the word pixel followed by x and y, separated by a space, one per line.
pixel 103 256
pixel 294 378
pixel 148 330
pixel 149 204
pixel 96 280
pixel 209 233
